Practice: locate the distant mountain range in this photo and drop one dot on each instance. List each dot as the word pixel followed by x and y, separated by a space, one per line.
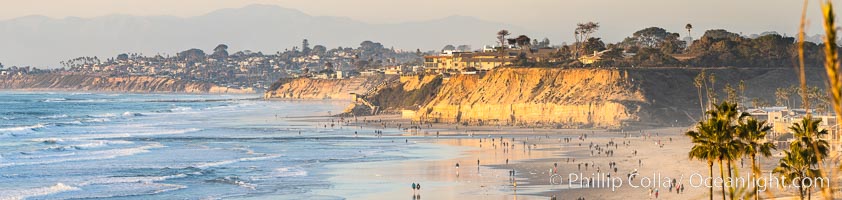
pixel 42 41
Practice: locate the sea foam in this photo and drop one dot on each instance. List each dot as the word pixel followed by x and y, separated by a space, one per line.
pixel 228 162
pixel 34 192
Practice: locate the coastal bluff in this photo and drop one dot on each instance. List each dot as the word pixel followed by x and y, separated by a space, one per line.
pixel 134 84
pixel 319 89
pixel 556 97
pixel 592 97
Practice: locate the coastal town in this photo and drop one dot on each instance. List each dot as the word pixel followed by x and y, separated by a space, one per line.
pixel 242 69
pixel 366 99
pixel 650 47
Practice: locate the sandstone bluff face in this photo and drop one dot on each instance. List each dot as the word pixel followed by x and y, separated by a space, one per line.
pixel 140 84
pixel 336 89
pixel 604 98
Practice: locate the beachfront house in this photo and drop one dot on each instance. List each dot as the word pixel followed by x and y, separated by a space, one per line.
pixel 592 58
pixel 394 70
pixel 455 62
pixel 781 118
pixel 341 74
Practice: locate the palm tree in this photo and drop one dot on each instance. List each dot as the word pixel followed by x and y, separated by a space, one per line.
pixel 782 97
pixel 806 152
pixel 731 94
pixel 712 89
pixel 793 169
pixel 753 135
pixel 688 27
pixel 723 119
pixel 698 82
pixel 742 88
pixel 725 145
pixel 704 146
pixel 807 136
pixel 709 140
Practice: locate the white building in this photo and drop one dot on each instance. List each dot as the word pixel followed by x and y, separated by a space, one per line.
pixel 341 75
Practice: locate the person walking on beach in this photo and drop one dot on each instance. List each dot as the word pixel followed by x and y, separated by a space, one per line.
pixel 678 189
pixel 457 169
pixel 413 189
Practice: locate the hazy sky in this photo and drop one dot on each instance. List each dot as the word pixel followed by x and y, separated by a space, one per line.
pixel 553 18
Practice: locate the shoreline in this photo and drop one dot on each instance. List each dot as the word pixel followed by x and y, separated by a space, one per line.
pixel 59 90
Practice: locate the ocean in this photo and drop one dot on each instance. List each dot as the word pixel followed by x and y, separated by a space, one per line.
pixel 168 146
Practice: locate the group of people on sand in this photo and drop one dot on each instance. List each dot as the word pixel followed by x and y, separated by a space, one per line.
pixel 607 149
pixel 679 188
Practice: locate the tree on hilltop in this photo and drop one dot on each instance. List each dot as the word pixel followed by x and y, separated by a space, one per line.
pixel 220 52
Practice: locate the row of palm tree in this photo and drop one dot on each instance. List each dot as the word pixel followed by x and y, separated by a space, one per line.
pixel 727 134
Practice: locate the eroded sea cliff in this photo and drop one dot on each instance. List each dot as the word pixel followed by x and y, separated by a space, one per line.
pixel 135 84
pixel 604 98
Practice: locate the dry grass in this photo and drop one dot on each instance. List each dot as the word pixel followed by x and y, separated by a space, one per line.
pixel 834 85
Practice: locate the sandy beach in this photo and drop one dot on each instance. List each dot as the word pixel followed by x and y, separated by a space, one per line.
pixel 657 156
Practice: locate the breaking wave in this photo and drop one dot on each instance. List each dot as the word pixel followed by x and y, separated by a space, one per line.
pixel 19 129
pixel 228 162
pixel 53 117
pixel 34 192
pixel 78 156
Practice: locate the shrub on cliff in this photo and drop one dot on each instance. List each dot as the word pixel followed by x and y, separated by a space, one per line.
pixel 650 57
pixel 396 98
pixel 280 82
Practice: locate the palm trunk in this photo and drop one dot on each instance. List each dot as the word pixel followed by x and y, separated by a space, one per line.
pixel 710 165
pixel 701 102
pixel 722 176
pixel 800 192
pixel 730 179
pixel 707 94
pixel 755 173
